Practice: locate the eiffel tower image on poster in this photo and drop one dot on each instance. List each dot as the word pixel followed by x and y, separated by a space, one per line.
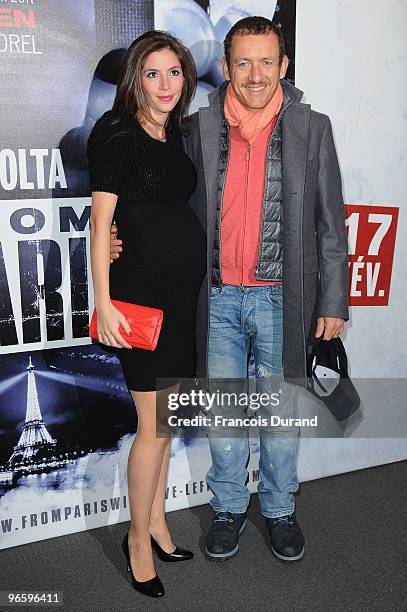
pixel 35 434
pixel 36 451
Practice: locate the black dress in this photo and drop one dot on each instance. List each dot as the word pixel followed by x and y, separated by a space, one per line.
pixel 163 262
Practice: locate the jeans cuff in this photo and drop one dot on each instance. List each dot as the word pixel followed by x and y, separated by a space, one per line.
pixel 233 510
pixel 278 514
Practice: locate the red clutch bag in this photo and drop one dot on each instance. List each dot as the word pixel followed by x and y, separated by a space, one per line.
pixel 145 323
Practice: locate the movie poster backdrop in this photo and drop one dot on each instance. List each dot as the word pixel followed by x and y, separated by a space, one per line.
pixel 67 419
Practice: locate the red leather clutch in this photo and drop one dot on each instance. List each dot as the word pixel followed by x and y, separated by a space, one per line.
pixel 145 323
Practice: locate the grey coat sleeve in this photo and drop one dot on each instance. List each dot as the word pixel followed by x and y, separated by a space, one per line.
pixel 331 233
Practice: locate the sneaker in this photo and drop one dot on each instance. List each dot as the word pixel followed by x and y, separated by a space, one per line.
pixel 287 541
pixel 222 541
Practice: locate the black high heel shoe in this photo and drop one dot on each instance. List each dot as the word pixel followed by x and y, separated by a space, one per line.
pixel 153 587
pixel 179 554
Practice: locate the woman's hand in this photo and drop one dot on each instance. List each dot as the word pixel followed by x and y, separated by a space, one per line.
pixel 109 318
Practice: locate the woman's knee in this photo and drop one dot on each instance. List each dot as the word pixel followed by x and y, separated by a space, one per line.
pixel 150 437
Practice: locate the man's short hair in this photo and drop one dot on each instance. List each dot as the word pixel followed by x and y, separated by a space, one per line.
pixel 253 25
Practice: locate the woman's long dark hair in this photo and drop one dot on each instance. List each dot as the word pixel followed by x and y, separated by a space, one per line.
pixel 130 95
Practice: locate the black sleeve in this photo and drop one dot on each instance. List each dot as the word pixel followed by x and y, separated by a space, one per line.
pixel 110 156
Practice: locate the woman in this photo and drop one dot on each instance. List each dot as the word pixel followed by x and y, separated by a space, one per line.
pixel 141 176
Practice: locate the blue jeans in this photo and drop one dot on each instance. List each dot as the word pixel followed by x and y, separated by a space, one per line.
pixel 244 319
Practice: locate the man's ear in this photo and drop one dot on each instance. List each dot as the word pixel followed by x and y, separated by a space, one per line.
pixel 225 69
pixel 284 66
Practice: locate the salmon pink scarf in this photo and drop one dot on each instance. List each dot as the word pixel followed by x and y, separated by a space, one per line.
pixel 250 123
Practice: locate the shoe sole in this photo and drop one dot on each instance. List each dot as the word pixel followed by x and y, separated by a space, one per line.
pixel 287 559
pixel 229 555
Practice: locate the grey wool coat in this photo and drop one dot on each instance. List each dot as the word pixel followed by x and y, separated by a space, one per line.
pixel 315 261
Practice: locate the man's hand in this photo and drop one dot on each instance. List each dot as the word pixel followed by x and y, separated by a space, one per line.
pixel 331 327
pixel 115 248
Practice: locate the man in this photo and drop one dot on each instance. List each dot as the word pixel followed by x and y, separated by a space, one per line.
pixel 269 195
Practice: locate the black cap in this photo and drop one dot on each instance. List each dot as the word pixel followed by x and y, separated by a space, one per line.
pixel 328 378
